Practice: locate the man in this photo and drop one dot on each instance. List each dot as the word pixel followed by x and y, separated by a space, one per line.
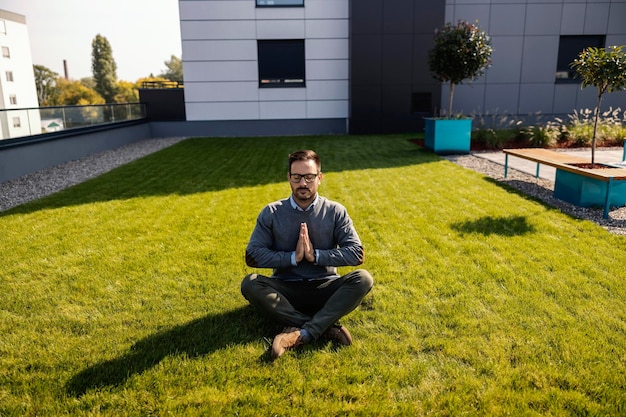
pixel 304 238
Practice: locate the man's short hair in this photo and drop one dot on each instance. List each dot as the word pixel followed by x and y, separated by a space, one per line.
pixel 305 155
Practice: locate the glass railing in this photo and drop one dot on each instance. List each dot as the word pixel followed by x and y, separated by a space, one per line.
pixel 15 123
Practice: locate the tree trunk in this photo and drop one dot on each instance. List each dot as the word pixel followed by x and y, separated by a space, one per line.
pixel 595 130
pixel 451 98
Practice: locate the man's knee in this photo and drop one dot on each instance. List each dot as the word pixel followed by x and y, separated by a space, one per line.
pixel 362 279
pixel 247 285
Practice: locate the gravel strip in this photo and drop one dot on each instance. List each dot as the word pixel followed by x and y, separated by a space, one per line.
pixel 42 183
pixel 48 181
pixel 542 189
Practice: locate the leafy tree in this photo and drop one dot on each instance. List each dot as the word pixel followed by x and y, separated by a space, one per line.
pixel 88 82
pixel 461 51
pixel 604 69
pixel 104 68
pixel 76 93
pixel 126 92
pixel 174 70
pixel 46 84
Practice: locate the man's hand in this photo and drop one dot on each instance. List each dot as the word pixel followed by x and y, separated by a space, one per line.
pixel 304 248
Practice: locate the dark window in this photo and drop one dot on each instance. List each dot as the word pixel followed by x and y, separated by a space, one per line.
pixel 281 63
pixel 569 48
pixel 280 3
pixel 421 103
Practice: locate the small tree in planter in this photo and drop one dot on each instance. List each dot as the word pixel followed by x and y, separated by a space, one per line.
pixel 461 52
pixel 604 69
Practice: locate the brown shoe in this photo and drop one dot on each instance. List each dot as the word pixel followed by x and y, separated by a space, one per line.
pixel 338 334
pixel 288 339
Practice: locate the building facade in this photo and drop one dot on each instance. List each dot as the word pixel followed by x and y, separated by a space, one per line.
pixel 17 79
pixel 360 66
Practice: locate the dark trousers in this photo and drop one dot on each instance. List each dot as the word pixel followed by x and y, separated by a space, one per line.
pixel 312 305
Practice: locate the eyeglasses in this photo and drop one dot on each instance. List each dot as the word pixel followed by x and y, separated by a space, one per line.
pixel 308 178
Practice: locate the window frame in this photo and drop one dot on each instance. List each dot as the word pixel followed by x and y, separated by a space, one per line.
pixel 293 71
pixel 17 122
pixel 564 74
pixel 6 52
pixel 294 3
pixel 13 99
pixel 9 76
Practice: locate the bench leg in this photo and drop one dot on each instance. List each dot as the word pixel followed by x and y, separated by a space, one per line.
pixel 607 201
pixel 506 164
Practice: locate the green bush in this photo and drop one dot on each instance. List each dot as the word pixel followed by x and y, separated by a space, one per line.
pixel 611 127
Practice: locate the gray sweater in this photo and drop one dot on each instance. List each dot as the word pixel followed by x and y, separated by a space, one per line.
pixel 331 231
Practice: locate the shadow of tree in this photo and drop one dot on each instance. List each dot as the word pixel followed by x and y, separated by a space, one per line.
pixel 196 338
pixel 504 226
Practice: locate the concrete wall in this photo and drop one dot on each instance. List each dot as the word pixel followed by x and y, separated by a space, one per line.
pixel 389 43
pixel 525 36
pixel 34 153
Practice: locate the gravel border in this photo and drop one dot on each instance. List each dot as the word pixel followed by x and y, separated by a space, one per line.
pixel 542 189
pixel 48 181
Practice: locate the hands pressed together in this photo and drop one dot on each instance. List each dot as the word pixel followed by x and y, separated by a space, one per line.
pixel 304 247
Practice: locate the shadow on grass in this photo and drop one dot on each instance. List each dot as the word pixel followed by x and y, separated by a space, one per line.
pixel 194 339
pixel 212 164
pixel 504 226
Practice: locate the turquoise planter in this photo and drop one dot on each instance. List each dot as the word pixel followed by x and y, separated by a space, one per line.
pixel 587 192
pixel 447 136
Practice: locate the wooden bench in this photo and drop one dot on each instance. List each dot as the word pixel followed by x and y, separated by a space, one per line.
pixel 564 162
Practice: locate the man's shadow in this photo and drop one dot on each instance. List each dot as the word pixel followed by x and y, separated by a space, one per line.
pixel 196 338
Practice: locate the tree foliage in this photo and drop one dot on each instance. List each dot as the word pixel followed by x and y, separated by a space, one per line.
pixel 461 52
pixel 604 69
pixel 126 92
pixel 76 93
pixel 45 82
pixel 174 70
pixel 104 68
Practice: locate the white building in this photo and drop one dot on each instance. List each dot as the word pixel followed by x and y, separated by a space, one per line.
pixel 17 79
pixel 312 66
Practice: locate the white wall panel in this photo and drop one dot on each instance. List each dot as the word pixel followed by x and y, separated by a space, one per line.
pixel 316 29
pixel 224 50
pixel 327 9
pixel 222 111
pixel 269 13
pixel 337 69
pixel 283 109
pixel 327 90
pixel 217 10
pixel 218 29
pixel 279 29
pixel 221 91
pixel 221 71
pixel 282 94
pixel 327 48
pixel 327 109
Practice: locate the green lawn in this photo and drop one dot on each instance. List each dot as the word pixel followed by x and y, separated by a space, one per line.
pixel 120 296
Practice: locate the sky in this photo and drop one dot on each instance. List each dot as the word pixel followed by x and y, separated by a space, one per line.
pixel 143 34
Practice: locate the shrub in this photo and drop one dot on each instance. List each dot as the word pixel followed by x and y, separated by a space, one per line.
pixel 544 135
pixel 611 127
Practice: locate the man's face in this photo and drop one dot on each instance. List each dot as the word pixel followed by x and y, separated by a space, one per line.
pixel 304 192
